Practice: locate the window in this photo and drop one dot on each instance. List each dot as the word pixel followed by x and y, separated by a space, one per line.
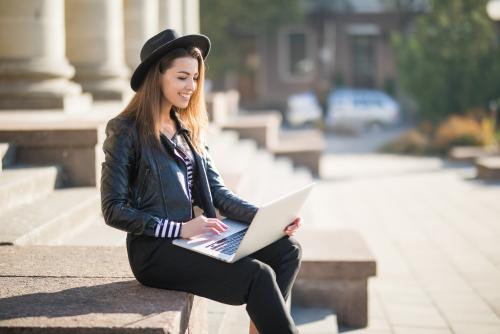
pixel 296 54
pixel 363 61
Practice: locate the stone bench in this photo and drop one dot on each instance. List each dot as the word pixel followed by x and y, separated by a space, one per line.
pixel 73 145
pixel 336 265
pixel 61 289
pixel 471 153
pixel 262 127
pixel 303 147
pixel 488 168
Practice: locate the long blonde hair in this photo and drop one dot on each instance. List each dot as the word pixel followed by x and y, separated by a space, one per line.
pixel 145 107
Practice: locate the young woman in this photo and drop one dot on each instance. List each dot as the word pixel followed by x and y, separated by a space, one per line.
pixel 157 169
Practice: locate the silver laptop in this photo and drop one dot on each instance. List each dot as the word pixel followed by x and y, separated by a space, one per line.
pixel 241 239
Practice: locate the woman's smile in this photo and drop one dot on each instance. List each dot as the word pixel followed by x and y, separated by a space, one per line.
pixel 186 96
pixel 179 82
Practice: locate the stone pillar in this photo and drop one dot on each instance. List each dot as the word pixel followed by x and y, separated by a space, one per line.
pixel 141 23
pixel 34 71
pixel 171 15
pixel 95 38
pixel 191 17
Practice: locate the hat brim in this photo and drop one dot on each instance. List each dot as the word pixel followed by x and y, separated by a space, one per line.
pixel 200 41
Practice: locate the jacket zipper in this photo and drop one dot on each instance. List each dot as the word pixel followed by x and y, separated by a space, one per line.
pixel 161 187
pixel 142 187
pixel 189 195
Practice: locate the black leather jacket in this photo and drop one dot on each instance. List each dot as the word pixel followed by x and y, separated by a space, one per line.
pixel 139 183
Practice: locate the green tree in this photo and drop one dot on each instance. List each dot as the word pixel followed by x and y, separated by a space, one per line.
pixel 449 62
pixel 228 22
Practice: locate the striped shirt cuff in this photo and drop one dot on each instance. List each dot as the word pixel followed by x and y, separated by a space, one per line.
pixel 167 229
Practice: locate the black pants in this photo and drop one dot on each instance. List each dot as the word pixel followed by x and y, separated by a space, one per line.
pixel 262 280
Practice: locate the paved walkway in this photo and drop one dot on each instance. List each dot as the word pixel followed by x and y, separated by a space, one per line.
pixel 434 230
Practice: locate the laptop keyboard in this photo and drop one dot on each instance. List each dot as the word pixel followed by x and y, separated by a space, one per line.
pixel 228 245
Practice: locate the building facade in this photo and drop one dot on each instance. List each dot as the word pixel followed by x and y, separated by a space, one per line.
pixel 339 43
pixel 61 54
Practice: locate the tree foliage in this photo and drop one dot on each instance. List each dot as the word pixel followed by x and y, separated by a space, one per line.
pixel 450 63
pixel 227 21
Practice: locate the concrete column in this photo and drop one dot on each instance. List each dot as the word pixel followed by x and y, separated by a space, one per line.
pixel 141 23
pixel 34 71
pixel 95 38
pixel 171 15
pixel 191 17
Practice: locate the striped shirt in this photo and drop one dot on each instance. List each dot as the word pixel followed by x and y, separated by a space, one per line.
pixel 182 151
pixel 167 228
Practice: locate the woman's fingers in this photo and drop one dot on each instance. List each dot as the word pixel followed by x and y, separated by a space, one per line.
pixel 221 224
pixel 211 229
pixel 292 228
pixel 216 226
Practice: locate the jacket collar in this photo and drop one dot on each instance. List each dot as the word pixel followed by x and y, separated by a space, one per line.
pixel 178 123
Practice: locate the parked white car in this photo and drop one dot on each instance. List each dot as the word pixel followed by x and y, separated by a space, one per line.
pixel 303 108
pixel 361 109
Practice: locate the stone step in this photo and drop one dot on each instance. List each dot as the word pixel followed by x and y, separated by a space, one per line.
pixel 24 184
pixel 234 320
pixel 48 219
pixel 7 155
pixel 215 314
pixel 315 320
pixel 334 273
pixel 70 289
pixel 303 147
pixel 471 153
pixel 236 158
pixel 280 179
pixel 95 232
pixel 234 162
pixel 257 181
pixel 218 141
pixel 263 127
pixel 488 168
pixel 264 178
pixel 267 179
pixel 224 319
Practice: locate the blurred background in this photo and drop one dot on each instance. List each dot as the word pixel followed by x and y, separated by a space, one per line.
pixel 353 65
pixel 390 106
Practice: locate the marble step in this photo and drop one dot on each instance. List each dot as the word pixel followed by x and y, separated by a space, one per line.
pixel 220 142
pixel 315 320
pixel 48 219
pixel 94 232
pixel 24 184
pixel 224 319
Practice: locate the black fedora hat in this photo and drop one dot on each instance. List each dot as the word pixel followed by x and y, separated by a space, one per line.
pixel 159 45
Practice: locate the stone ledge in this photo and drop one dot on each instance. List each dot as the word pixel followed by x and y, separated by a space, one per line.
pixel 77 304
pixel 261 127
pixel 59 261
pixel 336 265
pixel 488 168
pixel 471 153
pixel 335 254
pixel 49 218
pixel 76 148
pixel 303 147
pixel 55 289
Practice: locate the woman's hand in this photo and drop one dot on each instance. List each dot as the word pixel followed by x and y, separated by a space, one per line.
pixel 293 227
pixel 202 224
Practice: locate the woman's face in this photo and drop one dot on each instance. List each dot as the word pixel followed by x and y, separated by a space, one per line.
pixel 179 82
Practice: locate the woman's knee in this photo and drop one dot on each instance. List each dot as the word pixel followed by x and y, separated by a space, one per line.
pixel 296 248
pixel 263 269
pixel 291 249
